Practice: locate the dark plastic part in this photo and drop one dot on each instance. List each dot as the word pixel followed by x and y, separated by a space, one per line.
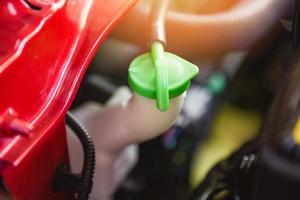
pixel 276 178
pixel 233 175
pixel 64 179
pixel 296 24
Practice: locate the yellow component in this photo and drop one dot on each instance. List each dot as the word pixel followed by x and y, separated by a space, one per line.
pixel 232 128
pixel 296 132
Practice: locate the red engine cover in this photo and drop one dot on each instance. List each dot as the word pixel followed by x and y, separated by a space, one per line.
pixel 45 48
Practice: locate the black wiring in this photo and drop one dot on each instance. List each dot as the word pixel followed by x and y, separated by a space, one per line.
pixel 79 184
pixel 88 167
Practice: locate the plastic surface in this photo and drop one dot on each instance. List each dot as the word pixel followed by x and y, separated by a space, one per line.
pixel 126 119
pixel 160 75
pixel 45 48
pixel 209 33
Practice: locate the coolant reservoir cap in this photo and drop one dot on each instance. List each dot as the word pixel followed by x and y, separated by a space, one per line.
pixel 143 74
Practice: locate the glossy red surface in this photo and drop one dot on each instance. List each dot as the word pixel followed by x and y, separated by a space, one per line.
pixel 45 48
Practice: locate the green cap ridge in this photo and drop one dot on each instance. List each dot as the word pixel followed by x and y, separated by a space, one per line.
pixel 160 75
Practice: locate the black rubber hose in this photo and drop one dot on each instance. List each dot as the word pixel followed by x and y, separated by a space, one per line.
pixel 88 168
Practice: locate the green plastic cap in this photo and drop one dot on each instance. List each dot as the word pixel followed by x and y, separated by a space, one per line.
pixel 160 75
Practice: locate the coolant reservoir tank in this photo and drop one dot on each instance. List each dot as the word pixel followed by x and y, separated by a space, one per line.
pixel 159 87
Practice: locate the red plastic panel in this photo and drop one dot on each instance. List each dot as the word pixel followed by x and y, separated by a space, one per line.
pixel 32 179
pixel 50 56
pixel 45 48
